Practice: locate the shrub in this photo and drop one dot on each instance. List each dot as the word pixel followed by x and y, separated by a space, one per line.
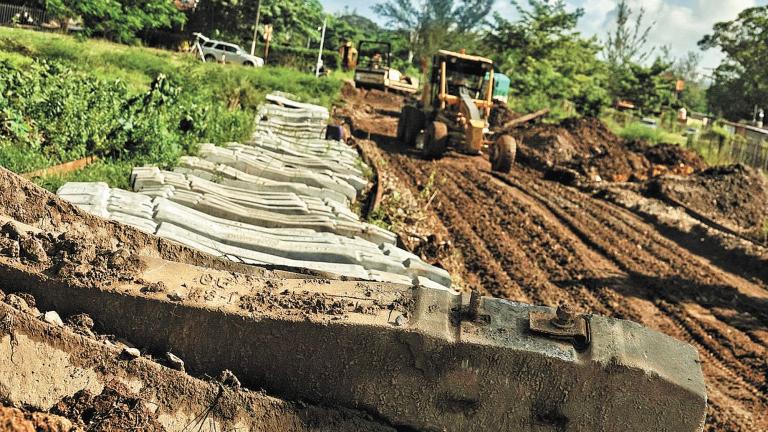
pixel 641 132
pixel 62 99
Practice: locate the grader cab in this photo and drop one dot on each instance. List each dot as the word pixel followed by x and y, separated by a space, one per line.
pixel 454 109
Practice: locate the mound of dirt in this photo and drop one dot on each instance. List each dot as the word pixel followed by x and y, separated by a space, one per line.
pixel 674 156
pixel 584 145
pixel 69 255
pixel 585 149
pixel 736 195
pixel 378 98
pixel 18 420
pixel 348 90
pixel 111 410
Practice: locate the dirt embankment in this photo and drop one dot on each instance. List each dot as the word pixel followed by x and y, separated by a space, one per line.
pixel 525 238
pixel 583 152
pixel 44 240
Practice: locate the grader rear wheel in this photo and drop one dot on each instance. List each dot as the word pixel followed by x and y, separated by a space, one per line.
pixel 402 125
pixel 502 154
pixel 415 123
pixel 409 125
pixel 435 139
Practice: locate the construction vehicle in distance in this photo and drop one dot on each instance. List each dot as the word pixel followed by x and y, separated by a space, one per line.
pixel 454 109
pixel 374 69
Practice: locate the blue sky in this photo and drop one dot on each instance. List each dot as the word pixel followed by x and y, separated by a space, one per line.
pixel 679 23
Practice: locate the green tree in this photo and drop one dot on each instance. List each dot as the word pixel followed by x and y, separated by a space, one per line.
pixel 294 23
pixel 548 61
pixel 651 88
pixel 740 82
pixel 437 24
pixel 352 27
pixel 120 21
pixel 627 44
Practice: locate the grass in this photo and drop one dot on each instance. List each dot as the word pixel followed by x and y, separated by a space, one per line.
pixel 138 66
pixel 115 173
pixel 221 98
pixel 637 131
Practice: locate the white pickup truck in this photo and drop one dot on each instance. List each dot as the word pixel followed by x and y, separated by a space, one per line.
pixel 218 51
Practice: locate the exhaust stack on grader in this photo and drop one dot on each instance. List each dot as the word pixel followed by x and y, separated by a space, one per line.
pixel 454 109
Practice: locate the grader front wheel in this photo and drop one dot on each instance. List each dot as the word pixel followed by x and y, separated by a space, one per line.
pixel 409 125
pixel 502 154
pixel 435 139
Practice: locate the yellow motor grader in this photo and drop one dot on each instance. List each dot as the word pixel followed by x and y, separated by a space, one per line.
pixel 453 111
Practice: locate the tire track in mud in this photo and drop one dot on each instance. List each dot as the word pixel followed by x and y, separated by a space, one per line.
pixel 546 254
pixel 739 383
pixel 734 385
pixel 538 241
pixel 479 256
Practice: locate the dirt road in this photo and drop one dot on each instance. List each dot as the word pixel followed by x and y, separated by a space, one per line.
pixel 524 238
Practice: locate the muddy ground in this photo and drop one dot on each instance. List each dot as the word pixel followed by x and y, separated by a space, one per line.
pixel 526 238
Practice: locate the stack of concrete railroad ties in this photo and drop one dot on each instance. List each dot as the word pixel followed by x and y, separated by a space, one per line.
pixel 281 199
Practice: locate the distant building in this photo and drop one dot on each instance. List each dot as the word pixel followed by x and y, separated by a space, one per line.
pixel 624 105
pixel 185 5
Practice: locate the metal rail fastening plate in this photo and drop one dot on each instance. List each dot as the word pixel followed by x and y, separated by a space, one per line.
pixel 562 324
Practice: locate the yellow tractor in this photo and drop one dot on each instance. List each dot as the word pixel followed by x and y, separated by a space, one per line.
pixel 453 111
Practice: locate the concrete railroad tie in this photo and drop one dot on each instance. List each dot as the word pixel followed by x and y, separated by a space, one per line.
pixel 280 200
pixel 302 248
pixel 153 181
pixel 228 176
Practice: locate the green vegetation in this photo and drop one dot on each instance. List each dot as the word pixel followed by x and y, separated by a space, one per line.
pixel 641 132
pixel 294 23
pixel 386 214
pixel 116 173
pixel 764 231
pixel 549 63
pixel 435 25
pixel 117 20
pixel 62 99
pixel 740 82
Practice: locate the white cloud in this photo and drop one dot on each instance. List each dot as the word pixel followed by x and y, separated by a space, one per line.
pixel 679 24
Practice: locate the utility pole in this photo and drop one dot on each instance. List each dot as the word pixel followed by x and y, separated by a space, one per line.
pixel 267 39
pixel 320 51
pixel 256 27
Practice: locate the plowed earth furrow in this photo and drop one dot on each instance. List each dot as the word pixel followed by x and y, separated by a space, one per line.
pixel 479 257
pixel 532 240
pixel 569 246
pixel 616 234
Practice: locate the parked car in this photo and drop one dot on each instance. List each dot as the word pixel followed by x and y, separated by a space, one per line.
pixel 219 51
